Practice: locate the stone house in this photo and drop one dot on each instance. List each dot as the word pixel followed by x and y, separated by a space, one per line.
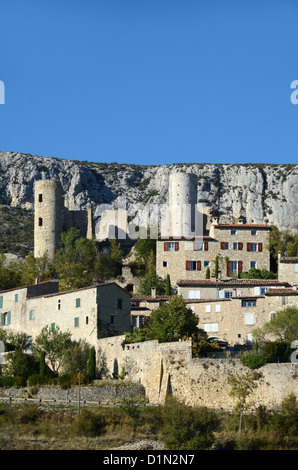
pixel 88 313
pixel 238 248
pixel 288 269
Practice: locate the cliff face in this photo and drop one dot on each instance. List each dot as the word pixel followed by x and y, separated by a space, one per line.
pixel 261 193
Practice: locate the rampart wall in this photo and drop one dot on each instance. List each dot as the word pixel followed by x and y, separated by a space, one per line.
pixel 169 368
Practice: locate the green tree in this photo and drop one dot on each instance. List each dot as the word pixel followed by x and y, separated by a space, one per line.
pixel 145 250
pixel 75 358
pixel 208 273
pixel 241 388
pixel 54 343
pixel 75 260
pixel 168 285
pixel 91 365
pixel 109 265
pixel 149 281
pixel 171 321
pixel 283 327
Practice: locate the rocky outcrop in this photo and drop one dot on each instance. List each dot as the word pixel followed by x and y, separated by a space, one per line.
pixel 261 193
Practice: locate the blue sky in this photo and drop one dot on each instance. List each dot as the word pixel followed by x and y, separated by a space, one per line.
pixel 150 81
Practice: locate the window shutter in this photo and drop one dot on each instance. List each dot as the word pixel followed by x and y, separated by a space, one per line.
pixel 260 246
pixel 239 267
pixel 1 301
pixel 240 246
pixel 222 245
pixel 165 246
pixel 187 265
pixel 1 319
pixel 205 246
pixel 8 318
pixel 228 268
pixel 248 247
pixel 176 246
pixel 198 265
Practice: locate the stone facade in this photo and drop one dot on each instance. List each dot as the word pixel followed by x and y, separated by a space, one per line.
pixel 217 289
pixel 169 368
pixel 87 313
pixel 288 269
pixel 239 247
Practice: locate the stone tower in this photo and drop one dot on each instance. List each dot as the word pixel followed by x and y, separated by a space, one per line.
pixel 182 204
pixel 48 217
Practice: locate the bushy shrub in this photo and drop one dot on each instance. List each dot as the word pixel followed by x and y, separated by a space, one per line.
pixel 253 360
pixel 88 423
pixel 186 427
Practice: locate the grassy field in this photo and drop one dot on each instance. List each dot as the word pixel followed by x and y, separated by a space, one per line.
pixel 49 427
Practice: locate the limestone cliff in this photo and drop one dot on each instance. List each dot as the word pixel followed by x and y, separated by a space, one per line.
pixel 260 192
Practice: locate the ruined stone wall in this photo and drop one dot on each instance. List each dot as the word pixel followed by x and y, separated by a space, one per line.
pixel 169 368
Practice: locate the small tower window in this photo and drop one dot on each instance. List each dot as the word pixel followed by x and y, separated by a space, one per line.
pixel 40 198
pixel 40 221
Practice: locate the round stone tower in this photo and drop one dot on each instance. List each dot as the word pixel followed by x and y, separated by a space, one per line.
pixel 182 204
pixel 48 217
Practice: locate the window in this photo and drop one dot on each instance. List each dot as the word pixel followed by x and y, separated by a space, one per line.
pixel 253 232
pixel 171 246
pixel 248 303
pixel 249 337
pixel 253 264
pixel 228 294
pixel 193 265
pixel 218 308
pixel 296 267
pixel 198 246
pixel 254 247
pixel 208 308
pixel 40 198
pixel 87 320
pixel 272 315
pixel 235 246
pixel 59 304
pixel 224 245
pixel 211 327
pixel 233 267
pixel 76 322
pixel 31 314
pixel 206 263
pixel 164 264
pixel 112 320
pixel 135 322
pixel 194 294
pixel 249 318
pixel 78 303
pixel 120 303
pixel 233 232
pixel 16 297
pixel 5 318
pixel 40 221
pixel 263 290
pixel 141 321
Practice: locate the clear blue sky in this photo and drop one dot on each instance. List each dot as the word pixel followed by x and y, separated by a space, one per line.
pixel 150 81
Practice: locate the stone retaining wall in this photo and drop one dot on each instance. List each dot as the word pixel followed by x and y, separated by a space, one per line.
pixel 93 393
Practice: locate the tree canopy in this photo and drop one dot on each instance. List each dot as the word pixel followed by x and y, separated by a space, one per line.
pixel 284 326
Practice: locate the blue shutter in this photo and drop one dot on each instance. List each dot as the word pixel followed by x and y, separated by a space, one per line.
pixel 1 301
pixel 8 318
pixel 1 319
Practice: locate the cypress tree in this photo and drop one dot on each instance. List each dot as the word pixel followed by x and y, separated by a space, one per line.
pixel 91 365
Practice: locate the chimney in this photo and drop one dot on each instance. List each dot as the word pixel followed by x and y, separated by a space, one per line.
pixel 234 292
pixel 153 291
